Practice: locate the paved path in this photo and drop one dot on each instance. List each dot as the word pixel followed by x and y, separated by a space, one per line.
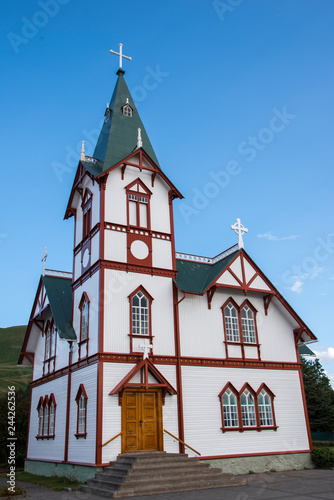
pixel 294 485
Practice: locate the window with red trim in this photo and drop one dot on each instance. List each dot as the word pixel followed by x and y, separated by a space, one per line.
pixel 50 347
pixel 246 409
pixel 138 203
pixel 87 214
pixel 84 325
pixel 140 316
pixel 81 399
pixel 240 329
pixel 46 417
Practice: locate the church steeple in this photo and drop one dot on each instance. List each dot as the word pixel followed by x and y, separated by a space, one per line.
pixel 119 134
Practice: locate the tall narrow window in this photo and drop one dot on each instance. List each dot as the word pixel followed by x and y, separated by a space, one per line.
pixel 40 410
pixel 230 409
pixel 248 324
pixel 46 418
pixel 81 399
pixel 84 326
pixel 248 409
pixel 86 213
pixel 140 314
pixel 52 341
pixel 231 323
pixel 265 409
pixel 84 320
pixel 47 342
pixel 52 415
pixel 138 204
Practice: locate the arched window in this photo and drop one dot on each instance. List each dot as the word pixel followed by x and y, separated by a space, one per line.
pixel 52 415
pixel 230 409
pixel 265 409
pixel 84 326
pixel 231 323
pixel 247 402
pixel 81 399
pixel 248 325
pixel 46 417
pixel 127 110
pixel 140 314
pixel 40 409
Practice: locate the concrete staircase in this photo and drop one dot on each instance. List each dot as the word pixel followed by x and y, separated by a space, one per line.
pixel 153 473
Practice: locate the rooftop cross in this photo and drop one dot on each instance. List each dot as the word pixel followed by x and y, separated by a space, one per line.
pixel 120 54
pixel 43 260
pixel 146 346
pixel 239 229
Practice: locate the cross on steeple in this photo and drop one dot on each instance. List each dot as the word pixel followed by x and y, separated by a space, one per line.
pixel 43 260
pixel 120 54
pixel 239 229
pixel 146 346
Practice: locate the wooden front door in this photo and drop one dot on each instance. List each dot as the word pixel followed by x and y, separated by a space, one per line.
pixel 141 420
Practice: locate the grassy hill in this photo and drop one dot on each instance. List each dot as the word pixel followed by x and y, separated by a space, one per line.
pixel 11 340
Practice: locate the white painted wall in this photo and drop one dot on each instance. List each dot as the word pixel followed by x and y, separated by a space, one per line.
pixel 203 419
pixel 83 450
pixel 202 329
pixel 162 253
pixel 119 285
pixel 48 449
pixel 91 287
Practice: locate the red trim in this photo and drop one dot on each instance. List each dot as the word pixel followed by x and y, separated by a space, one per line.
pixel 305 408
pixel 211 457
pixel 154 168
pixel 86 207
pixel 85 464
pixel 178 368
pixel 68 401
pixel 145 366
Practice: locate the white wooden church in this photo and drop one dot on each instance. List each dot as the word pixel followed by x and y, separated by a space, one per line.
pixel 143 348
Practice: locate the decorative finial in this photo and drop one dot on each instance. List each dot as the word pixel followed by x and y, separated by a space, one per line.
pixel 127 100
pixel 139 141
pixel 239 229
pixel 43 260
pixel 120 54
pixel 82 155
pixel 146 346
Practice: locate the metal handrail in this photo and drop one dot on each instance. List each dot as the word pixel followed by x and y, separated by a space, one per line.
pixel 107 442
pixel 182 442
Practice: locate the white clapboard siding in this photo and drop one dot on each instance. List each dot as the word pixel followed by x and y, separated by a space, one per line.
pixel 43 449
pixel 83 450
pixel 162 253
pixel 119 286
pixel 115 244
pixel 203 419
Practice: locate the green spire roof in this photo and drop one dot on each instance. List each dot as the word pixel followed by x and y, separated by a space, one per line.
pixel 118 137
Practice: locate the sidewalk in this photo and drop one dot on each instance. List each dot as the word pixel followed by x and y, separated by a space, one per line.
pixel 292 485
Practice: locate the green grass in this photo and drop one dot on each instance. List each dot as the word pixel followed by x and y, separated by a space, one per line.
pixel 11 340
pixel 53 483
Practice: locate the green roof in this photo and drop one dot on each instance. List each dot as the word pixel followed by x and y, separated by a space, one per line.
pixel 59 292
pixel 305 351
pixel 118 137
pixel 196 277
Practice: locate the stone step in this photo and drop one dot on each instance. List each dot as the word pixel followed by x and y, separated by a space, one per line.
pixel 170 488
pixel 141 483
pixel 154 464
pixel 209 474
pixel 157 468
pixel 150 475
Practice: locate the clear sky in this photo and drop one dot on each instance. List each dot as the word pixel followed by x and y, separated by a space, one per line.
pixel 237 98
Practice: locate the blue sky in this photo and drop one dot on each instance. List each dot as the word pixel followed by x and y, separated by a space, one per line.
pixel 237 98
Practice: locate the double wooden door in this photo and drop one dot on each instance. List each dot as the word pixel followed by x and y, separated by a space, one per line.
pixel 141 420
